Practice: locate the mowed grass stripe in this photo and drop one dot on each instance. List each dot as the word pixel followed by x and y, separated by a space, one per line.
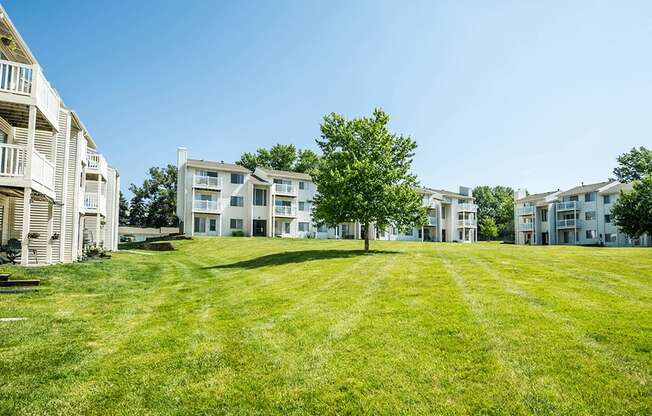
pixel 563 347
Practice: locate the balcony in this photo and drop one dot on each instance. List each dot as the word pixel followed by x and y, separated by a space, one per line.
pixel 284 211
pixel 284 189
pixel 25 84
pixel 207 182
pixel 433 221
pixel 567 206
pixel 571 223
pixel 94 203
pixel 13 160
pixel 522 211
pixel 526 226
pixel 96 163
pixel 469 223
pixel 213 207
pixel 468 207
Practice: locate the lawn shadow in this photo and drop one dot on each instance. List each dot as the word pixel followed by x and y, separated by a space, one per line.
pixel 288 257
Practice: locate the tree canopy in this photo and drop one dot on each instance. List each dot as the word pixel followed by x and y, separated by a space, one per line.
pixel 634 165
pixel 496 203
pixel 632 210
pixel 364 175
pixel 154 202
pixel 281 157
pixel 488 228
pixel 123 218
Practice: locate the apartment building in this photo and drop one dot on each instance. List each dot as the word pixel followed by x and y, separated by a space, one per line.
pixel 46 159
pixel 579 216
pixel 216 198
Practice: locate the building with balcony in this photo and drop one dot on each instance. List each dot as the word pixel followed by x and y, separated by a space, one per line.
pixel 43 162
pixel 578 216
pixel 216 198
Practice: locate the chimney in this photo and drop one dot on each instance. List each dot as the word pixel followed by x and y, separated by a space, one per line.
pixel 519 193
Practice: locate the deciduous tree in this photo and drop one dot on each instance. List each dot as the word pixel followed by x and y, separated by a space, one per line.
pixel 632 210
pixel 364 175
pixel 281 157
pixel 634 165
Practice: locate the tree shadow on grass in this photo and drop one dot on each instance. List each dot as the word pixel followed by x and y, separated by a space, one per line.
pixel 289 257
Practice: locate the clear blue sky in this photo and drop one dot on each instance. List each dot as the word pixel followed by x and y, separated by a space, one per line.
pixel 528 94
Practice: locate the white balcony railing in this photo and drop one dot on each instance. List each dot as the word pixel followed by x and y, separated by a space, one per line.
pixel 468 207
pixel 570 223
pixel 432 220
pixel 12 160
pixel 525 226
pixel 466 223
pixel 285 211
pixel 525 210
pixel 28 80
pixel 284 188
pixel 568 205
pixel 42 170
pixel 206 206
pixel 207 181
pixel 94 201
pixel 96 163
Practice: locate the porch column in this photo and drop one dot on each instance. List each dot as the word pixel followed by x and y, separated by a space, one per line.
pixel 48 247
pixel 64 193
pixel 422 236
pixel 192 225
pixel 5 220
pixel 24 252
pixel 99 208
pixel 219 225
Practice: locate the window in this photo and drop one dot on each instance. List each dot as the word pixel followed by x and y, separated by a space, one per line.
pixel 409 232
pixel 236 224
pixel 237 178
pixel 610 237
pixel 260 197
pixel 302 185
pixel 283 181
pixel 544 215
pixel 573 198
pixel 420 233
pixel 322 229
pixel 443 214
pixel 606 199
pixel 283 203
pixel 607 218
pixel 302 206
pixel 304 226
pixel 212 224
pixel 590 234
pixel 461 237
pixel 589 216
pixel 207 173
pixel 589 197
pixel 287 228
pixel 203 197
pixel 200 224
pixel 237 201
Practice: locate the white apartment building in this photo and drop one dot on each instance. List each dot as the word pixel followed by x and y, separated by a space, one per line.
pixel 222 199
pixel 54 186
pixel 579 216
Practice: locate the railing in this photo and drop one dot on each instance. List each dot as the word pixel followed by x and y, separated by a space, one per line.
pixel 206 206
pixel 208 181
pixel 284 188
pixel 568 205
pixel 432 220
pixel 94 201
pixel 12 160
pixel 468 207
pixel 96 162
pixel 466 223
pixel 570 223
pixel 525 210
pixel 22 79
pixel 42 170
pixel 525 226
pixel 284 210
pixel 16 78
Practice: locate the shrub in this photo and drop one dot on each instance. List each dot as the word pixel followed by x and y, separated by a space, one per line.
pixel 237 233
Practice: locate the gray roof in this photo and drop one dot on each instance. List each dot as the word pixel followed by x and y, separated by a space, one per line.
pixel 536 197
pixel 285 173
pixel 451 194
pixel 205 164
pixel 582 189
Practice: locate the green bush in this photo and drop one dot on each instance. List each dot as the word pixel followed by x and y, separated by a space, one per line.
pixel 237 233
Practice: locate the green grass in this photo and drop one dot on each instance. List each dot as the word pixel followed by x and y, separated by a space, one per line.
pixel 264 326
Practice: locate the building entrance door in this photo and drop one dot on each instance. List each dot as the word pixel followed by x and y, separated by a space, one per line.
pixel 260 228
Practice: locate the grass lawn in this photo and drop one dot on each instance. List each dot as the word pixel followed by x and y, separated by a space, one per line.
pixel 270 326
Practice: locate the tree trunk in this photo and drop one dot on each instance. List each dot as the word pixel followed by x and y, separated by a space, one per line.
pixel 366 237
